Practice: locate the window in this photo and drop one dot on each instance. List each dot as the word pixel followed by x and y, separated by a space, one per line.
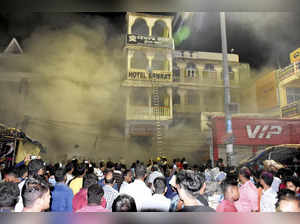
pixel 140 27
pixel 209 72
pixel 176 73
pixel 191 71
pixel 160 29
pixel 176 99
pixel 209 67
pixel 139 60
pixel 292 94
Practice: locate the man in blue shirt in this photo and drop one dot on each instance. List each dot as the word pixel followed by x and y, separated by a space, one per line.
pixel 62 195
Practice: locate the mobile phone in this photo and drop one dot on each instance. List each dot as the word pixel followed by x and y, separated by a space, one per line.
pixel 33 157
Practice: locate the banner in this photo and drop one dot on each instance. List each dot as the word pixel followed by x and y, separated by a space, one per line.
pixel 257 131
pixel 162 42
pixel 155 75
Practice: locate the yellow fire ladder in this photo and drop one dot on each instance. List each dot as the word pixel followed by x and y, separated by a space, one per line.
pixel 156 111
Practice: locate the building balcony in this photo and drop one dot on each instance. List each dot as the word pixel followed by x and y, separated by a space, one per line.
pixel 148 113
pixel 291 110
pixel 289 73
pixel 206 80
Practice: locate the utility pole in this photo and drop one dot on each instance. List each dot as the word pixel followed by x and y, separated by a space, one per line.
pixel 229 142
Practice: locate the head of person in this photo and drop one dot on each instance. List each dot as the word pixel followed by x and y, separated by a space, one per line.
pixel 159 185
pixel 36 194
pixel 128 176
pixel 109 178
pixel 266 179
pixel 189 183
pixel 23 171
pixel 69 168
pixel 118 166
pixel 102 166
pixel 60 175
pixel 230 189
pixel 89 180
pixel 11 175
pixel 292 183
pixel 94 194
pixel 124 203
pixel 244 174
pixel 36 167
pixel 81 169
pixel 9 195
pixel 140 172
pixel 110 165
pixel 288 203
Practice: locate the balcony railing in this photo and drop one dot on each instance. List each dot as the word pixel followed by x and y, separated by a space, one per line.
pixel 290 110
pixel 148 113
pixel 288 71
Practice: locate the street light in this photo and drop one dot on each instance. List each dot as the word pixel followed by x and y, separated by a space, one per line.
pixel 229 143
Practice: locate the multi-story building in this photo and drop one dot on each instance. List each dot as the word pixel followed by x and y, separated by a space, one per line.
pixel 189 83
pixel 289 87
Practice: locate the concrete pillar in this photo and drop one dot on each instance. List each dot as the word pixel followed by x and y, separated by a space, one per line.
pixel 200 69
pixel 283 97
pixel 182 94
pixel 182 70
pixel 236 75
pixel 150 23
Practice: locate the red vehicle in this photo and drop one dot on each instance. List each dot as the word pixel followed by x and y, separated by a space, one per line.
pixel 255 132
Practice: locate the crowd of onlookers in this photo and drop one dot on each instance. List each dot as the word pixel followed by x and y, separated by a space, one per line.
pixel 162 186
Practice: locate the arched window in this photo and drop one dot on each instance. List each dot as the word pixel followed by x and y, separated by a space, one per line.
pixel 140 27
pixel 139 60
pixel 160 62
pixel 191 71
pixel 160 29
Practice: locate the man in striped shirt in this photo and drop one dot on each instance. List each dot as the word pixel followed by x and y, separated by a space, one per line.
pixel 110 194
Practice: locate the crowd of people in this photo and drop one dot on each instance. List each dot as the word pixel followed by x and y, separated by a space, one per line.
pixel 154 186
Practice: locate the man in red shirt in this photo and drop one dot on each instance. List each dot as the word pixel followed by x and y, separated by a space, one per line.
pixel 95 194
pixel 231 194
pixel 80 199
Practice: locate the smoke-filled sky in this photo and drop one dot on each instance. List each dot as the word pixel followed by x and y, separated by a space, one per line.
pixel 261 39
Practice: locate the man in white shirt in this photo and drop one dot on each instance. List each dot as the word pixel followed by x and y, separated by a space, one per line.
pixel 158 201
pixel 269 196
pixel 127 180
pixel 138 189
pixel 153 175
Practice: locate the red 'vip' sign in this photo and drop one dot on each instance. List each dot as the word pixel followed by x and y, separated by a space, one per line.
pixel 257 131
